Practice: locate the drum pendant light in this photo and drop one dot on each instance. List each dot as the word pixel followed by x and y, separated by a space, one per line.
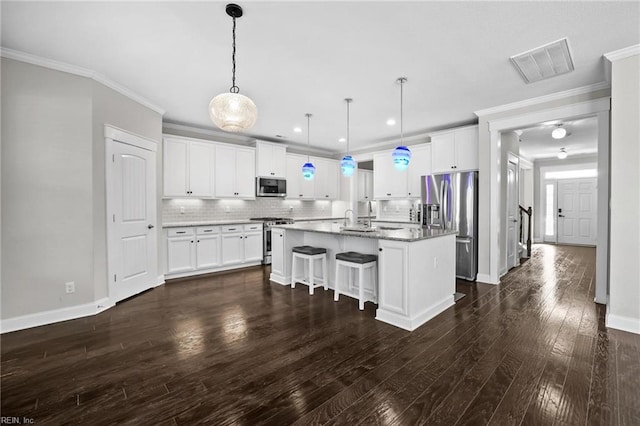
pixel 308 169
pixel 401 155
pixel 233 112
pixel 348 165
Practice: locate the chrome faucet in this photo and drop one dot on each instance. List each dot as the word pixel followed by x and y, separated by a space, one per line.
pixel 346 216
pixel 369 210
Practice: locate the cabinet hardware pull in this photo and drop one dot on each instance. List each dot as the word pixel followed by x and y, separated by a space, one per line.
pixel 232 229
pixel 181 232
pixel 150 226
pixel 379 249
pixel 192 241
pixel 208 230
pixel 198 240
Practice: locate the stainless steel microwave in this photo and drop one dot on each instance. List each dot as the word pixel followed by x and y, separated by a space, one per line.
pixel 270 187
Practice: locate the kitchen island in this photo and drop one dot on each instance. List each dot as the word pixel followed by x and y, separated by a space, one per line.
pixel 416 267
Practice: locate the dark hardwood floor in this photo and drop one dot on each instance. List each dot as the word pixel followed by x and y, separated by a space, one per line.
pixel 234 349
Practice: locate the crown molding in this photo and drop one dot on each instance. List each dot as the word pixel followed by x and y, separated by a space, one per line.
pixel 623 53
pixel 543 99
pixel 169 128
pixel 79 71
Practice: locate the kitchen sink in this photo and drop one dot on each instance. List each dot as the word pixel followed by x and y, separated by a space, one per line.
pixel 359 228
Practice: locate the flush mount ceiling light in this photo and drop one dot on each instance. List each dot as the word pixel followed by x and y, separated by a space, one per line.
pixel 297 129
pixel 348 165
pixel 562 154
pixel 308 169
pixel 401 155
pixel 233 112
pixel 391 122
pixel 559 132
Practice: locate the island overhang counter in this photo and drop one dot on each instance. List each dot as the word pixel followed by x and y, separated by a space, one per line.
pixel 416 267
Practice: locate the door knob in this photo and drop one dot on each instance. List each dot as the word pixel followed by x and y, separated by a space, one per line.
pixel 150 226
pixel 560 215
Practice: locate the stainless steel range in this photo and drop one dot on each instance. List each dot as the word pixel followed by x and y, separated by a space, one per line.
pixel 267 223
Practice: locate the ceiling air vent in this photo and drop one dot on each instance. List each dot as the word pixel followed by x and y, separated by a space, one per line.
pixel 544 62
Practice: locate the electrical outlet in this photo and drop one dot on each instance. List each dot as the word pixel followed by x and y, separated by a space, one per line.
pixel 227 209
pixel 290 208
pixel 70 287
pixel 181 209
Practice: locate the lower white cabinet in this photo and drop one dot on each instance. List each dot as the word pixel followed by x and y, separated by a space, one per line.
pixel 209 248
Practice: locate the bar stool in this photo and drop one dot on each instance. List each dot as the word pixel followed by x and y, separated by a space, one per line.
pixel 359 262
pixel 310 255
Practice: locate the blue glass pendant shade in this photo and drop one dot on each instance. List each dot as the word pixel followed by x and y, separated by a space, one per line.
pixel 308 171
pixel 348 165
pixel 401 157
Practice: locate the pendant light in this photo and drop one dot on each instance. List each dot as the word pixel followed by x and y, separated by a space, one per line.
pixel 308 169
pixel 401 155
pixel 233 112
pixel 348 165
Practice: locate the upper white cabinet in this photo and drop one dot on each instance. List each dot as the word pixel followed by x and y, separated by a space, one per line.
pixel 298 188
pixel 420 165
pixel 188 168
pixel 234 172
pixel 365 185
pixel 455 150
pixel 388 182
pixel 327 185
pixel 271 160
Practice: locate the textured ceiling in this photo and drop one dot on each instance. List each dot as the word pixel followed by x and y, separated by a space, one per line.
pixel 299 57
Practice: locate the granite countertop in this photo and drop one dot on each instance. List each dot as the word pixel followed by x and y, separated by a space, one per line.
pixel 404 234
pixel 395 221
pixel 208 223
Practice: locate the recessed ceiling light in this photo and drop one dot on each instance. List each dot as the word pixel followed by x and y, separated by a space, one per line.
pixel 342 140
pixel 391 122
pixel 297 129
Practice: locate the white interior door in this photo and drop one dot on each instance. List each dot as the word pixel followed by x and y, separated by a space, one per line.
pixel 132 232
pixel 577 211
pixel 512 216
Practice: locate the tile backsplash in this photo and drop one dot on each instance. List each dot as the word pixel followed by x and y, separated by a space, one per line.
pixel 193 210
pixel 396 209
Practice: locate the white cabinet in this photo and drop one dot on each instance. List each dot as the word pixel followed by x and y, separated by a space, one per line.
pixel 207 247
pixel 298 188
pixel 241 244
pixel 365 185
pixel 189 249
pixel 455 150
pixel 277 252
pixel 180 250
pixel 271 160
pixel 420 166
pixel 188 168
pixel 327 185
pixel 234 172
pixel 388 182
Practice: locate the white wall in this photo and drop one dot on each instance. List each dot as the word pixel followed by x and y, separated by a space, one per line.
pixel 53 185
pixel 47 222
pixel 624 279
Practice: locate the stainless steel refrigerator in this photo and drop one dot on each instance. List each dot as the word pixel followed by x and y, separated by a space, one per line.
pixel 450 201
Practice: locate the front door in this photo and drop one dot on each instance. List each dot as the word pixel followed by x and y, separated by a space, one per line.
pixel 577 211
pixel 132 231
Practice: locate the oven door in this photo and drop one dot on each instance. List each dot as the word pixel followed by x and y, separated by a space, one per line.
pixel 266 245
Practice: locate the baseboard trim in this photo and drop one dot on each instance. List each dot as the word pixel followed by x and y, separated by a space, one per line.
pixel 631 325
pixel 486 279
pixel 53 316
pixel 159 280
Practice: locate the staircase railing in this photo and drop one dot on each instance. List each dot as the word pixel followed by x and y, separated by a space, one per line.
pixel 527 212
